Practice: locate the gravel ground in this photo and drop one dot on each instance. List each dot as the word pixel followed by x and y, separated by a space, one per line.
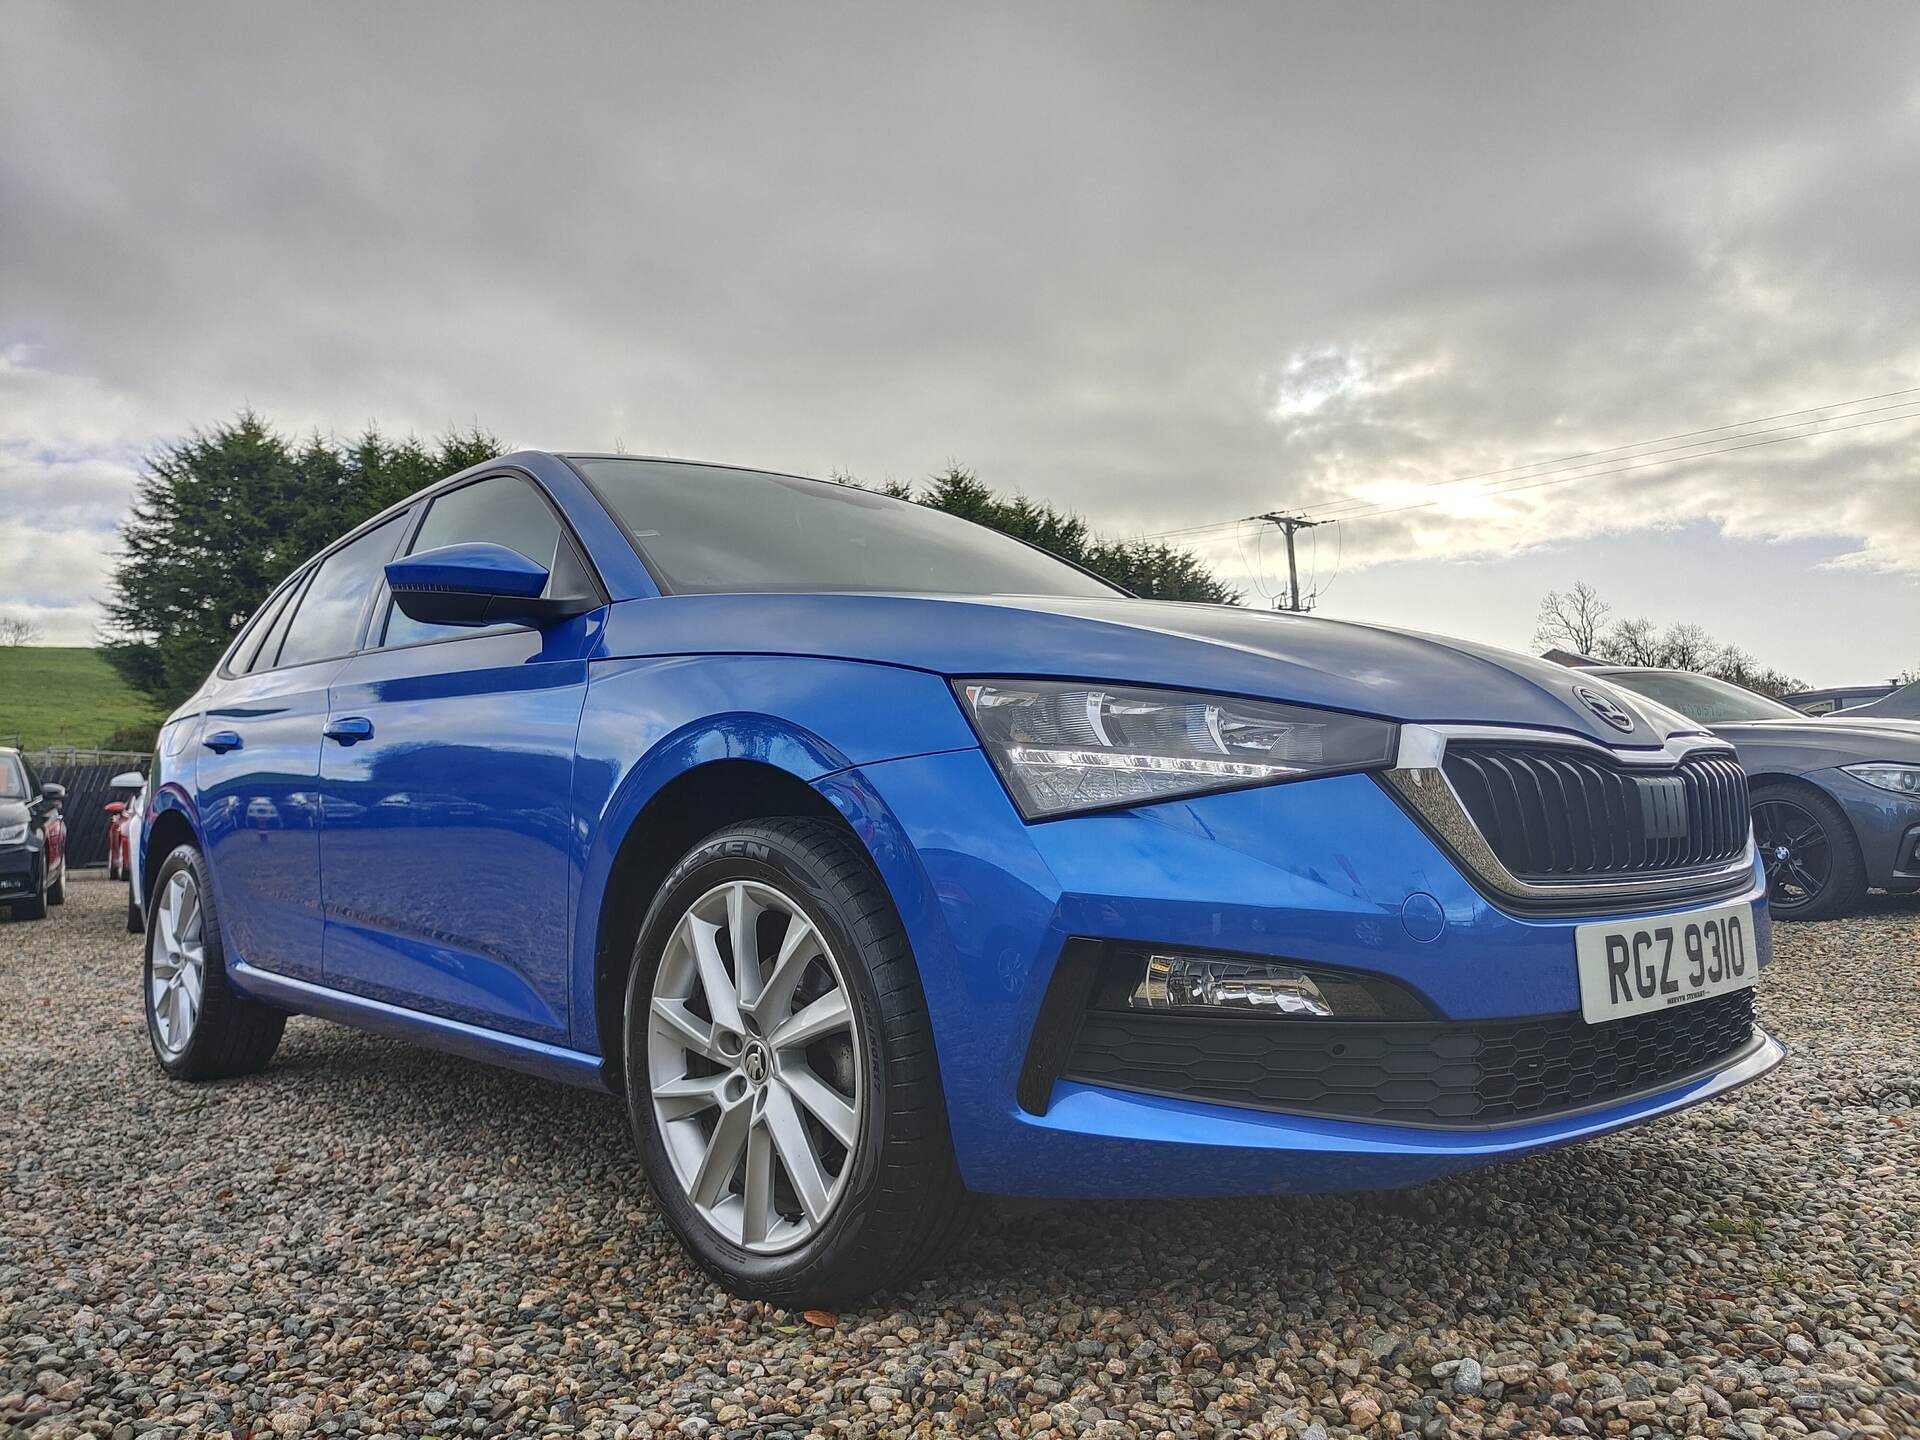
pixel 373 1239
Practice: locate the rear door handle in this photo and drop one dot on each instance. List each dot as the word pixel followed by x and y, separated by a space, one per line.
pixel 221 741
pixel 350 729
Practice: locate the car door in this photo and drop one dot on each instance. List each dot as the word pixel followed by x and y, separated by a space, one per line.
pixel 445 844
pixel 257 776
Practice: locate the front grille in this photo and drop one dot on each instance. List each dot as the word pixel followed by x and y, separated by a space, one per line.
pixel 1441 1074
pixel 1559 814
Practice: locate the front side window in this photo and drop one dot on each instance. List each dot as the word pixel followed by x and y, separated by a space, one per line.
pixel 326 621
pixel 1702 698
pixel 707 529
pixel 503 510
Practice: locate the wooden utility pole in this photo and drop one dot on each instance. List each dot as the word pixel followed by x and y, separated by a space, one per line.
pixel 1289 524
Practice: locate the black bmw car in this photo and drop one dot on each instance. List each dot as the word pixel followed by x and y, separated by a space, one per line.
pixel 1836 799
pixel 33 840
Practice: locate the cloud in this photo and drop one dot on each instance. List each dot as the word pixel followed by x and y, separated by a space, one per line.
pixel 1166 266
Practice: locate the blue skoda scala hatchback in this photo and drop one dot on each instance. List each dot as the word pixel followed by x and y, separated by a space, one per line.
pixel 882 862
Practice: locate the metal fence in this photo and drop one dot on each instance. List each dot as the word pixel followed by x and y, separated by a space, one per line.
pixel 86 774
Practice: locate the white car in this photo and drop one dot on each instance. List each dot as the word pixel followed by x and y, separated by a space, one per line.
pixel 135 815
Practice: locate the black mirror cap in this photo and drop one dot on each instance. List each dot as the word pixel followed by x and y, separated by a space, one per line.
pixel 452 607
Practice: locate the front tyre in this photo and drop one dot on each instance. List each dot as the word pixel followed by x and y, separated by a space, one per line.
pixel 780 1071
pixel 199 1027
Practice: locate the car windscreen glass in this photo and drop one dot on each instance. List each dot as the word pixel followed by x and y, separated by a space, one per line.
pixel 1702 698
pixel 13 779
pixel 710 530
pixel 1902 704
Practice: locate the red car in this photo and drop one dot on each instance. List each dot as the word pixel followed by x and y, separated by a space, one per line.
pixel 123 815
pixel 33 840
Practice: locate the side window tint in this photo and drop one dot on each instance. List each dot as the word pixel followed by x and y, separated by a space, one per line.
pixel 504 510
pixel 327 619
pixel 246 655
pixel 269 655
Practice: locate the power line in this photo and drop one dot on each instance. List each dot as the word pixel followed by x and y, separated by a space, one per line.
pixel 1530 483
pixel 1553 465
pixel 1575 463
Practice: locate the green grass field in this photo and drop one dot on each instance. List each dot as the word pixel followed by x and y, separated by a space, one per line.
pixel 55 695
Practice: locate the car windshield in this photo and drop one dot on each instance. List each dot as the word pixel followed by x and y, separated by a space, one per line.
pixel 1701 697
pixel 13 779
pixel 709 530
pixel 1902 704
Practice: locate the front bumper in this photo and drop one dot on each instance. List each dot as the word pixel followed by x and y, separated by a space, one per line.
pixel 19 871
pixel 1887 825
pixel 1316 872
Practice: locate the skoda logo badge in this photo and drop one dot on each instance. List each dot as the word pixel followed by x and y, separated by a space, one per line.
pixel 1610 711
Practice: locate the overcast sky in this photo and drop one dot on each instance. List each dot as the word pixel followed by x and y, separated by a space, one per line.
pixel 1165 265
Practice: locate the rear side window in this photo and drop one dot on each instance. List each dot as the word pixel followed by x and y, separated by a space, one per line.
pixel 327 621
pixel 503 510
pixel 248 654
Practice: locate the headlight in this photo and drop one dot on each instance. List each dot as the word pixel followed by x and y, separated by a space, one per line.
pixel 1063 746
pixel 13 834
pixel 1901 779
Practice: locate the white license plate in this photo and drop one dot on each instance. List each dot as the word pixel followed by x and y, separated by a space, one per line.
pixel 1631 967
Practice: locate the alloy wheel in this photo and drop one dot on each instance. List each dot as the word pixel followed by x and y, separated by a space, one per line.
pixel 176 980
pixel 753 1053
pixel 1796 852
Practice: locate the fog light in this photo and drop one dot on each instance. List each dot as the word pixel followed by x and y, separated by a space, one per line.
pixel 1249 987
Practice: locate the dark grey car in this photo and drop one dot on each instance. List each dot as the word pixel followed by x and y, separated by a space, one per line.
pixel 1836 800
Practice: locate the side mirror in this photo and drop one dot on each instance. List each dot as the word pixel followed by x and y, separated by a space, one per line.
pixel 53 794
pixel 476 584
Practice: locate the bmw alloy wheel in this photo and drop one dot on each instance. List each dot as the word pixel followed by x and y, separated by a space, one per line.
pixel 176 983
pixel 754 1066
pixel 1796 852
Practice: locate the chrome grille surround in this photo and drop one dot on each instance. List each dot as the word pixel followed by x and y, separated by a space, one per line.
pixel 1419 781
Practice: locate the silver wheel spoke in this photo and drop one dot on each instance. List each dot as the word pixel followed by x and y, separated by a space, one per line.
pixel 723 1000
pixel 756 1192
pixel 724 1148
pixel 825 1104
pixel 743 928
pixel 191 977
pixel 797 949
pixel 796 1152
pixel 688 1095
pixel 823 1017
pixel 686 1027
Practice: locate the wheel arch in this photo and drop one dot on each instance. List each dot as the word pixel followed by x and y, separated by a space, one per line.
pixel 679 813
pixel 171 827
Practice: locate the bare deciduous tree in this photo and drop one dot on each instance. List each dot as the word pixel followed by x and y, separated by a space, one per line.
pixel 1576 619
pixel 18 632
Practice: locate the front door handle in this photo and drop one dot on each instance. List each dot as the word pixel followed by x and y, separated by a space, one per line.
pixel 221 741
pixel 350 729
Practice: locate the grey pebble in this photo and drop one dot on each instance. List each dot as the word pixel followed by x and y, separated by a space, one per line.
pixel 372 1239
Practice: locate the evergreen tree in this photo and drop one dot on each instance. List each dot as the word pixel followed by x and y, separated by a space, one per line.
pixel 1155 571
pixel 226 514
